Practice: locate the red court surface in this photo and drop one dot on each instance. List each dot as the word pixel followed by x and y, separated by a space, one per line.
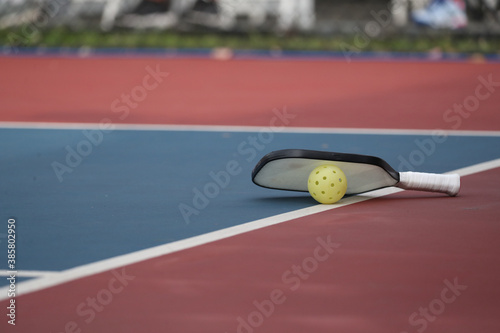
pixel 322 93
pixel 406 262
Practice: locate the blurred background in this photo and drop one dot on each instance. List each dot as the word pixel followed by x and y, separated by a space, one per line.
pixel 467 26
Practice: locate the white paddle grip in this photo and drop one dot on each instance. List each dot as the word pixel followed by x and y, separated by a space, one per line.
pixel 432 182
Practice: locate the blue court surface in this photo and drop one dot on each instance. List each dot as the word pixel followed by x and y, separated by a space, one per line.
pixel 80 196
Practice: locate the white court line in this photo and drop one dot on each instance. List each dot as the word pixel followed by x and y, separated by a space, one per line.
pixel 477 168
pixel 220 128
pixel 157 251
pixel 24 273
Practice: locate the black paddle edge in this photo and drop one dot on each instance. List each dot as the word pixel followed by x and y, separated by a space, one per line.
pixel 321 155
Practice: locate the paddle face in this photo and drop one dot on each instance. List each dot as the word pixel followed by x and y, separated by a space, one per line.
pixel 289 170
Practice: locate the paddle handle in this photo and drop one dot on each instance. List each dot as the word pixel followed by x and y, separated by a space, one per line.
pixel 419 181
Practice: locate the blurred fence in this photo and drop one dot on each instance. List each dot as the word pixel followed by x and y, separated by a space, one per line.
pixel 374 18
pixel 320 16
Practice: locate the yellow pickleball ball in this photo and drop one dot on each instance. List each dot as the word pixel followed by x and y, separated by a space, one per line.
pixel 327 184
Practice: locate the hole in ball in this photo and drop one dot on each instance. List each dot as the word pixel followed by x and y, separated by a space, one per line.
pixel 317 183
pixel 324 178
